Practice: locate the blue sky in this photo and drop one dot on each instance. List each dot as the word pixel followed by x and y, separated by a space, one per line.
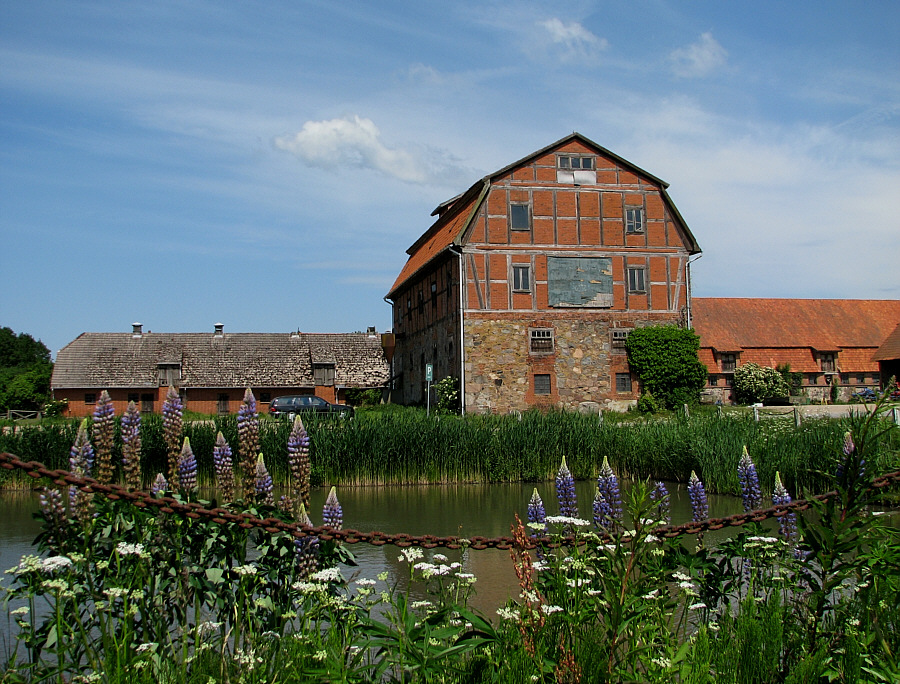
pixel 266 165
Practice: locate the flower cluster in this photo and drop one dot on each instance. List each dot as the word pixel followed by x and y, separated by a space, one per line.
pixel 660 495
pixel 224 468
pixel 187 468
pixel 332 513
pixel 749 479
pixel 306 549
pixel 699 502
pixel 565 491
pixel 298 460
pixel 81 462
pixel 160 485
pixel 173 427
pixel 787 524
pixel 263 483
pixel 248 440
pixel 104 425
pixel 537 515
pixel 602 511
pixel 131 446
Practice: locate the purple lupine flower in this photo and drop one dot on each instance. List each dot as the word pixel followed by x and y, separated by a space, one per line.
pixel 699 502
pixel 660 495
pixel 602 511
pixel 608 485
pixel 306 549
pixel 160 485
pixel 224 468
pixel 537 514
pixel 263 483
pixel 248 441
pixel 749 479
pixel 173 429
pixel 787 524
pixel 81 462
pixel 565 491
pixel 332 513
pixel 187 468
pixel 298 460
pixel 849 449
pixel 131 446
pixel 104 426
pixel 55 519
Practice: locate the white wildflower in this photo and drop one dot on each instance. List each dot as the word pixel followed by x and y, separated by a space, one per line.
pixel 244 570
pixel 410 555
pixel 328 575
pixel 125 549
pixel 549 610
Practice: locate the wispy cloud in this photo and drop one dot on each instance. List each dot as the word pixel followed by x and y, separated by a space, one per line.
pixel 355 141
pixel 573 39
pixel 698 59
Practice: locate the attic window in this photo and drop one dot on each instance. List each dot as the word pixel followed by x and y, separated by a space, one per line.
pixel 634 220
pixel 576 170
pixel 169 374
pixel 519 217
pixel 567 162
pixel 323 374
pixel 728 362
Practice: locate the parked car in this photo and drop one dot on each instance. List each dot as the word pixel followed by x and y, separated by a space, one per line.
pixel 866 394
pixel 308 403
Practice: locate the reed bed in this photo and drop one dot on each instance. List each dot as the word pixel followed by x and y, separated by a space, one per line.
pixel 409 447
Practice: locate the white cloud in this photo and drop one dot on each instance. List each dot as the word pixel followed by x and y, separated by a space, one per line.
pixel 576 40
pixel 698 59
pixel 356 142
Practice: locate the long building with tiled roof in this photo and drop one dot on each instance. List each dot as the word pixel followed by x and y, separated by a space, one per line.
pixel 212 370
pixel 829 341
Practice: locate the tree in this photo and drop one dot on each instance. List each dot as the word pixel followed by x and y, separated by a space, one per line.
pixel 666 360
pixel 25 370
pixel 754 383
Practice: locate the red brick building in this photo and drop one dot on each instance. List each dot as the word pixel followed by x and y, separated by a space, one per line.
pixel 527 284
pixel 827 340
pixel 212 370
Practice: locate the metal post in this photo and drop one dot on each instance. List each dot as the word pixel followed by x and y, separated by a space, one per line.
pixel 687 414
pixel 796 415
pixel 719 412
pixel 756 413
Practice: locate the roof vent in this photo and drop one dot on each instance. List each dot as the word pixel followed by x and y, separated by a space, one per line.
pixel 137 329
pixel 220 329
pixel 371 331
pixel 295 335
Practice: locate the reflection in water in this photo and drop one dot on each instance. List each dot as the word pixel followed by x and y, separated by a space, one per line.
pixel 463 510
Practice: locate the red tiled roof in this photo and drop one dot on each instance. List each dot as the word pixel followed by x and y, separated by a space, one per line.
pixel 727 324
pixel 890 350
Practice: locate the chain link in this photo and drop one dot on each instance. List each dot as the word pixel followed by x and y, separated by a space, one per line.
pixel 223 516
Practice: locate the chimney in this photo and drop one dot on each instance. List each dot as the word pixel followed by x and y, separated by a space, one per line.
pixel 137 329
pixel 371 331
pixel 220 329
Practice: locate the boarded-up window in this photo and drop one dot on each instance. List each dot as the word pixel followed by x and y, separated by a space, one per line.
pixel 618 341
pixel 169 374
pixel 541 340
pixel 323 374
pixel 580 282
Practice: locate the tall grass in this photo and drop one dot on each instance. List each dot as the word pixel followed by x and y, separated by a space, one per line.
pixel 409 447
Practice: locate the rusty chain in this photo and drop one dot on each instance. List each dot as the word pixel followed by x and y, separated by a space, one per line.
pixel 194 510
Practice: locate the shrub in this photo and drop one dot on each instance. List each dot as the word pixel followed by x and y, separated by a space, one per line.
pixel 665 359
pixel 648 404
pixel 754 383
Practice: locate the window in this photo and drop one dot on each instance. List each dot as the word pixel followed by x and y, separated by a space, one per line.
pixel 618 338
pixel 541 340
pixel 146 403
pixel 169 374
pixel 541 384
pixel 827 362
pixel 845 378
pixel 323 374
pixel 521 278
pixel 713 380
pixel 567 162
pixel 729 361
pixel 634 220
pixel 519 217
pixel 90 398
pixel 623 382
pixel 860 379
pixel 636 280
pixel 265 397
pixel 134 396
pixel 813 379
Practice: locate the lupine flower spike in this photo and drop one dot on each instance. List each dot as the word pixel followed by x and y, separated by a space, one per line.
pixel 699 502
pixel 81 462
pixel 263 483
pixel 660 496
pixel 565 491
pixel 306 548
pixel 749 479
pixel 787 524
pixel 224 468
pixel 602 511
pixel 56 520
pixel 173 429
pixel 298 460
pixel 160 485
pixel 608 485
pixel 104 425
pixel 187 468
pixel 332 513
pixel 248 440
pixel 131 446
pixel 537 515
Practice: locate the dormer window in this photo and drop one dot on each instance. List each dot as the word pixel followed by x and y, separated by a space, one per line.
pixel 169 374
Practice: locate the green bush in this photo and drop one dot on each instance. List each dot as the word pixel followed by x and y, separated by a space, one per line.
pixel 648 404
pixel 754 383
pixel 665 359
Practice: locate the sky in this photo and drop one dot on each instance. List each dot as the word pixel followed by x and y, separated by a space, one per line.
pixel 266 165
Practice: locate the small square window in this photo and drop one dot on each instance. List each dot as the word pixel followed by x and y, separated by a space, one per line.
pixel 323 374
pixel 134 396
pixel 860 378
pixel 813 379
pixel 519 217
pixel 541 384
pixel 636 280
pixel 618 340
pixel 90 398
pixel 541 340
pixel 623 383
pixel 521 278
pixel 634 220
pixel 713 380
pixel 265 397
pixel 729 361
pixel 827 362
pixel 569 162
